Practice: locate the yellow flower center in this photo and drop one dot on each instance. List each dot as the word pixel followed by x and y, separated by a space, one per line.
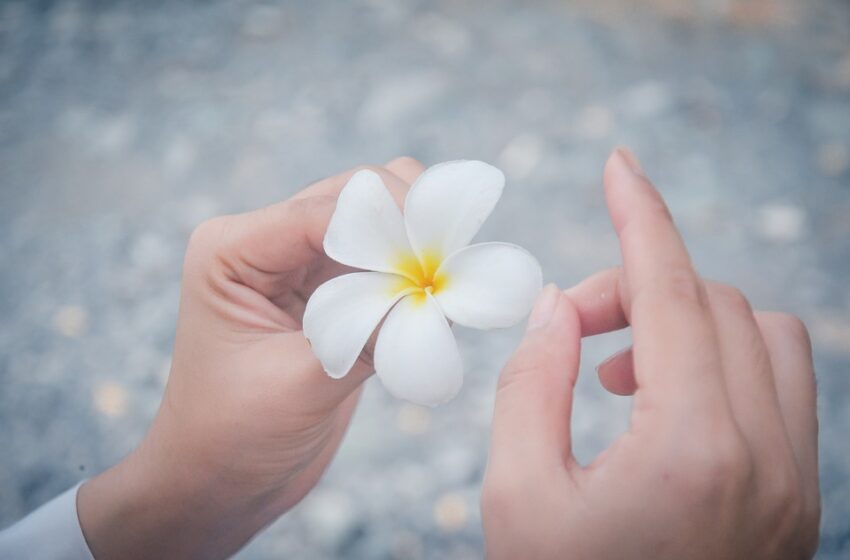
pixel 420 274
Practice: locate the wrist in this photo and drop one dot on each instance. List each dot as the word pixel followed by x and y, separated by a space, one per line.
pixel 155 504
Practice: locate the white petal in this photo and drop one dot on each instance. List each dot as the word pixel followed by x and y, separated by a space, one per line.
pixel 448 203
pixel 366 229
pixel 416 356
pixel 489 285
pixel 343 312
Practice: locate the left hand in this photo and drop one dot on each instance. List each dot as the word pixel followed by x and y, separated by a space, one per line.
pixel 249 420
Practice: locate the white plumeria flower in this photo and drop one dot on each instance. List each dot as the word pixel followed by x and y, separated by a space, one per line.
pixel 421 272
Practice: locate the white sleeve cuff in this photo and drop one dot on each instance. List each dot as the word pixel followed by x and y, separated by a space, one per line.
pixel 52 532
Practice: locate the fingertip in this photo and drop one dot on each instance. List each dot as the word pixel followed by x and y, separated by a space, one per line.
pixel 556 313
pixel 602 302
pixel 622 171
pixel 544 307
pixel 406 168
pixel 616 373
pixel 630 159
pixel 569 314
pixel 617 176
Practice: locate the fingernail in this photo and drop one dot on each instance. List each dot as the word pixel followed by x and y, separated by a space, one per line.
pixel 612 357
pixel 544 307
pixel 630 160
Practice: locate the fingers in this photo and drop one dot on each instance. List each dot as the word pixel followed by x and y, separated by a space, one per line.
pixel 259 248
pixel 676 354
pixel 287 235
pixel 616 373
pixel 406 168
pixel 535 392
pixel 602 301
pixel 397 175
pixel 791 359
pixel 749 381
pixel 306 377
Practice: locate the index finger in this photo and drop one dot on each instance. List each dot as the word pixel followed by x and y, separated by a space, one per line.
pixel 676 355
pixel 261 245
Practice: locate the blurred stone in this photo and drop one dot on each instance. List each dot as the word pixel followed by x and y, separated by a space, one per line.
pixel 113 134
pixel 758 12
pixel 595 122
pixel 781 222
pixel 841 74
pixel 331 515
pixel 451 512
pixel 774 105
pixel 180 156
pixel 71 321
pixel 521 155
pixel 444 35
pixel 263 21
pixel 646 99
pixel 536 103
pixel 833 159
pixel 150 253
pixel 390 12
pixel 407 545
pixel 251 169
pixel 832 332
pixel 272 125
pixel 457 464
pixel 400 97
pixel 66 20
pixel 413 481
pixel 413 419
pixel 110 399
pixel 196 209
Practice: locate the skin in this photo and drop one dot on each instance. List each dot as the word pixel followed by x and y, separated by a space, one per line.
pixel 720 459
pixel 715 465
pixel 249 420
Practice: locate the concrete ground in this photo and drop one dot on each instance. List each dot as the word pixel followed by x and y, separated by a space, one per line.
pixel 124 124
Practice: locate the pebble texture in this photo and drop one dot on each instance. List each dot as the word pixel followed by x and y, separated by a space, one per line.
pixel 124 124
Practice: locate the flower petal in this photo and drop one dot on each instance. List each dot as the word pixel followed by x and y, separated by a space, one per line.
pixel 489 285
pixel 448 203
pixel 416 356
pixel 343 312
pixel 366 229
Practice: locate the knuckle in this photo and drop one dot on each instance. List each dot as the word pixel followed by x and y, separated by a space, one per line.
pixel 208 236
pixel 207 254
pixel 506 495
pixel 526 365
pixel 515 373
pixel 498 493
pixel 783 496
pixel 682 285
pixel 791 326
pixel 715 469
pixel 369 167
pixel 730 297
pixel 785 491
pixel 407 162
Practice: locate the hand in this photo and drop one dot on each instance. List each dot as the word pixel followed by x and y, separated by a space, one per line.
pixel 249 420
pixel 720 459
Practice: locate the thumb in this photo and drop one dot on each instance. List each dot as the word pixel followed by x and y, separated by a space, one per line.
pixel 535 392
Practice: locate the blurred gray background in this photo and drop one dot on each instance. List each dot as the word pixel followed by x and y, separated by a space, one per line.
pixel 124 124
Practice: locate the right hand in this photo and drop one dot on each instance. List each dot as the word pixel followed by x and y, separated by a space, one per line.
pixel 720 459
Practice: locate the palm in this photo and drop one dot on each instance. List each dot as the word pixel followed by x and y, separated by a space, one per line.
pixel 292 439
